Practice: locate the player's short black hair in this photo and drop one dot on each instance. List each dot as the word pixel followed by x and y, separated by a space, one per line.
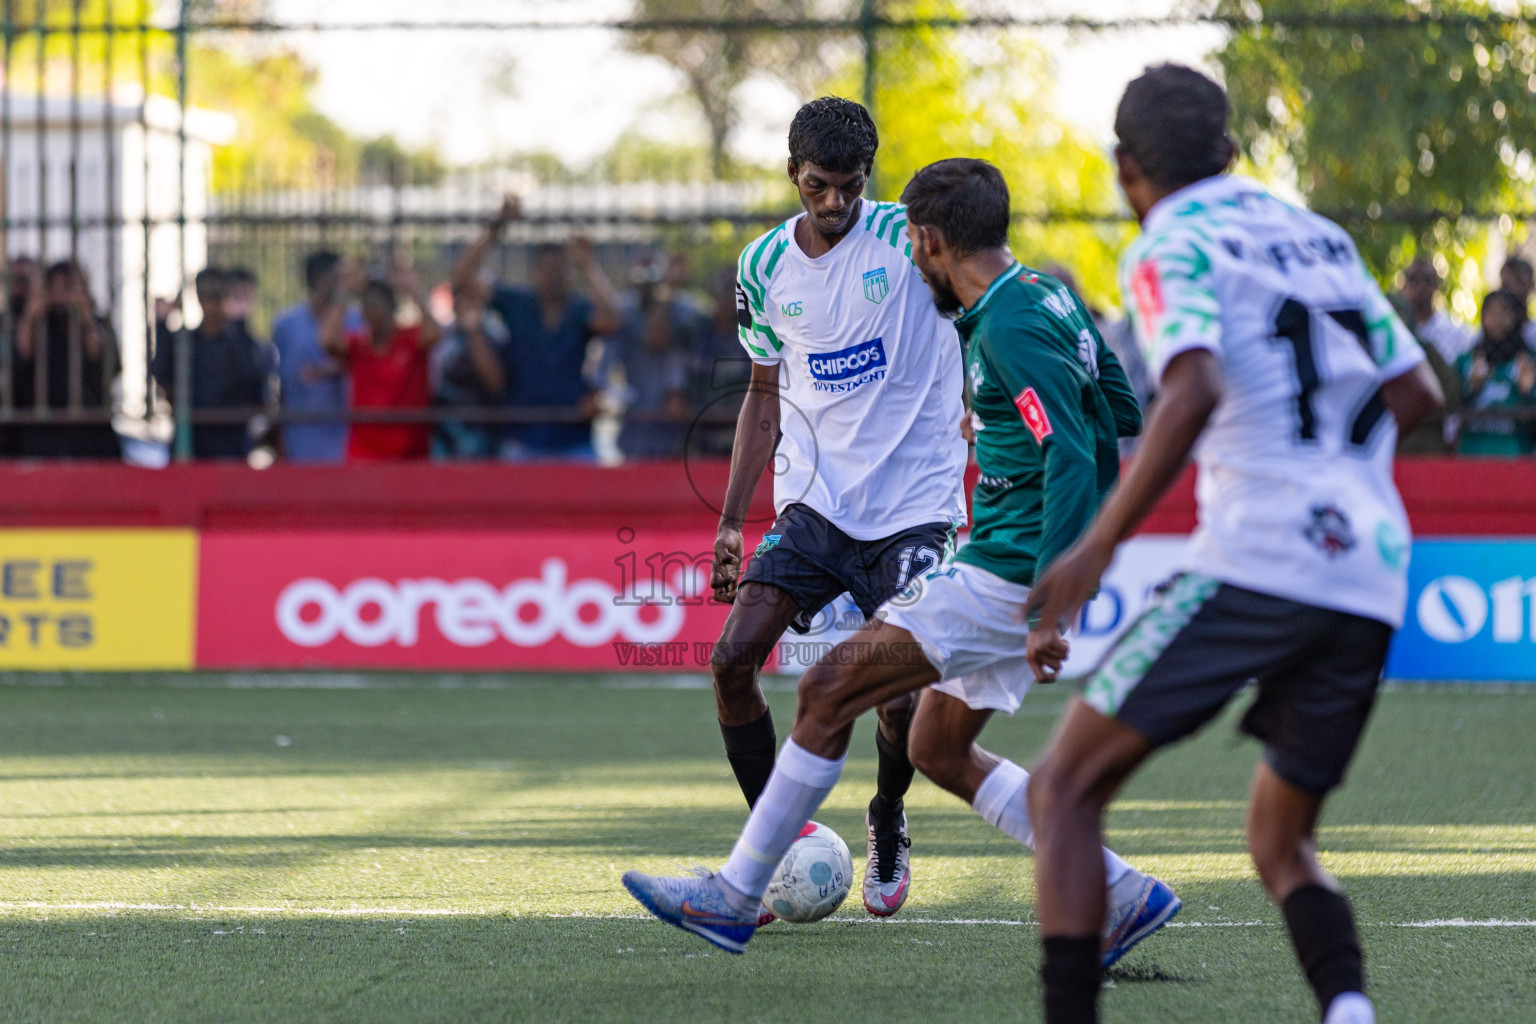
pixel 1173 122
pixel 318 264
pixel 833 133
pixel 965 199
pixel 1519 264
pixel 242 275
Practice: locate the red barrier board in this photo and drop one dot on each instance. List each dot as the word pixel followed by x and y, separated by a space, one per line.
pixel 515 600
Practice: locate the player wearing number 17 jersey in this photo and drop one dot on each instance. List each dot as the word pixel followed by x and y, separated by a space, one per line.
pixel 1278 353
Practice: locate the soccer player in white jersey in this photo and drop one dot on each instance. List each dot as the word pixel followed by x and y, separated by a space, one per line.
pixel 856 378
pixel 1278 353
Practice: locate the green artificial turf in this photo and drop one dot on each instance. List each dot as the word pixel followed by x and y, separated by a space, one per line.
pixel 409 848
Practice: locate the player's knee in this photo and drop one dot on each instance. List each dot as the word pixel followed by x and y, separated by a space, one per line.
pixel 735 659
pixel 1057 788
pixel 1284 861
pixel 823 696
pixel 896 716
pixel 937 760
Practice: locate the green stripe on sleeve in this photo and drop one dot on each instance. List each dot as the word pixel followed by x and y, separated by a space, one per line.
pixel 773 261
pixel 767 332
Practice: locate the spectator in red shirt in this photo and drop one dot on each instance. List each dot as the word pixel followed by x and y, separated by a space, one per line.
pixel 387 362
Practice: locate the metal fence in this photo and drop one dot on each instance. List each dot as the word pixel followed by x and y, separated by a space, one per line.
pixel 108 203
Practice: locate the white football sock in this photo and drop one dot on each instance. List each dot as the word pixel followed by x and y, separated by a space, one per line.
pixel 1350 1008
pixel 799 783
pixel 1001 799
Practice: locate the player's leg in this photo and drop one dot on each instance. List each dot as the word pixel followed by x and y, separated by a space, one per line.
pixel 944 748
pixel 943 745
pixel 882 571
pixel 1310 720
pixel 786 582
pixel 873 666
pixel 1282 823
pixel 888 863
pixel 1169 674
pixel 759 617
pixel 1088 760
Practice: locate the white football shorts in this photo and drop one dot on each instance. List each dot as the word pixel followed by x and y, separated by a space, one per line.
pixel 971 626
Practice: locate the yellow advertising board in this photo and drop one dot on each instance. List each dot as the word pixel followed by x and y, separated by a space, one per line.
pixel 97 599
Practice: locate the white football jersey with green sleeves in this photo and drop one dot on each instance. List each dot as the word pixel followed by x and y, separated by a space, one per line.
pixel 871 401
pixel 1295 482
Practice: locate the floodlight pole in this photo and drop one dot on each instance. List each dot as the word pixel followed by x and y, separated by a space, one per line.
pixel 868 19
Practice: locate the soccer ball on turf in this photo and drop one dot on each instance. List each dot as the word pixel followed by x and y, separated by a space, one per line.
pixel 813 878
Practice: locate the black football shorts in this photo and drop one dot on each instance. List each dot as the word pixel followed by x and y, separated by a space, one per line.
pixel 814 561
pixel 1200 641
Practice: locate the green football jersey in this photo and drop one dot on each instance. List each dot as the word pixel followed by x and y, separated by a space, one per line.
pixel 1049 401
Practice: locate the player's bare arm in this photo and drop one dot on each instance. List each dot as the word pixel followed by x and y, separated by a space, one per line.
pixel 757 434
pixel 1413 396
pixel 1191 389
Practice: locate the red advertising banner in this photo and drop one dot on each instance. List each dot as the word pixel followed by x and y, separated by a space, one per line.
pixel 586 600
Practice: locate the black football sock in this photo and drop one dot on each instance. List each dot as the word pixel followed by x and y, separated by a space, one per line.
pixel 892 780
pixel 1070 979
pixel 750 749
pixel 1323 931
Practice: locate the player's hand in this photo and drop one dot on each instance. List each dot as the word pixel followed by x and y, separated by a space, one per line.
pixel 1046 650
pixel 725 569
pixel 1056 598
pixel 967 430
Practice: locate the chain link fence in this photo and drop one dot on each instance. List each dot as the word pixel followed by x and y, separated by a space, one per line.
pixel 111 202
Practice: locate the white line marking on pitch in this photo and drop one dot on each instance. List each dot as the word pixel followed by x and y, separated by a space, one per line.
pixel 1452 922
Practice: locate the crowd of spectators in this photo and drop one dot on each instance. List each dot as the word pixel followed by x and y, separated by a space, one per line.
pixel 1487 371
pixel 569 367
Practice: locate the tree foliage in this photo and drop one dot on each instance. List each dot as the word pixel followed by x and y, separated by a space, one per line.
pixel 716 64
pixel 281 139
pixel 941 93
pixel 1380 123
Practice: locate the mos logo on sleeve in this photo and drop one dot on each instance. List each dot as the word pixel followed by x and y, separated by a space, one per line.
pixel 876 286
pixel 1033 411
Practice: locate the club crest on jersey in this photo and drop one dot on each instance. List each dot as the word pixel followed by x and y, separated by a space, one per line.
pixel 1033 412
pixel 1330 531
pixel 876 286
pixel 848 368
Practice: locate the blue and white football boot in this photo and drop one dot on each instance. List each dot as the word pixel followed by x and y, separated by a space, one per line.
pixel 696 904
pixel 1148 910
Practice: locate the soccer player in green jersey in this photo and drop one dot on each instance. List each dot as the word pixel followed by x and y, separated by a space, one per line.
pixel 1049 402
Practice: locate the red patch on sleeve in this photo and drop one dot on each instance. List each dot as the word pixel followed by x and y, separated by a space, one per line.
pixel 1147 288
pixel 1033 411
